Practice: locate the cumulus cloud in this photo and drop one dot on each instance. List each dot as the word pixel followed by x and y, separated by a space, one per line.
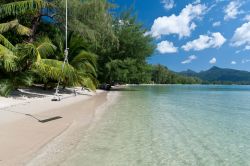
pixel 216 24
pixel 182 24
pixel 232 10
pixel 168 4
pixel 213 61
pixel 241 36
pixel 189 60
pixel 166 47
pixel 233 63
pixel 216 40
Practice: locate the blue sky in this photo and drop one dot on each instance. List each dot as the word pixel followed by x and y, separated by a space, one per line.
pixel 196 34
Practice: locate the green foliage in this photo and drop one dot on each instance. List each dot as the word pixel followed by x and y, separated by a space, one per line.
pixel 5 88
pixel 20 7
pixel 5 42
pixel 7 59
pixel 20 29
pixel 126 62
pixel 161 75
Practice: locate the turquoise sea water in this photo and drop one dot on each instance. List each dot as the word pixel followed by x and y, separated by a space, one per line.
pixel 175 125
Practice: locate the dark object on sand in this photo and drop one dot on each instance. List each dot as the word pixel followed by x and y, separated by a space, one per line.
pixel 44 120
pixel 49 119
pixel 105 86
pixel 56 99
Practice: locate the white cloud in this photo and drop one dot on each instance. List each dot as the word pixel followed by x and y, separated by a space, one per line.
pixel 189 60
pixel 245 61
pixel 168 4
pixel 213 61
pixel 216 40
pixel 197 2
pixel 247 18
pixel 247 47
pixel 166 47
pixel 232 10
pixel 238 51
pixel 216 24
pixel 233 63
pixel 241 36
pixel 181 24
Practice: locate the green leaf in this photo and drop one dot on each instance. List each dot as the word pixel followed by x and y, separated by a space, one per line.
pixel 45 47
pixel 20 7
pixel 5 42
pixel 6 87
pixel 7 58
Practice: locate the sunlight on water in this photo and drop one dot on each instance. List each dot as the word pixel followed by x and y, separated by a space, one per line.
pixel 171 125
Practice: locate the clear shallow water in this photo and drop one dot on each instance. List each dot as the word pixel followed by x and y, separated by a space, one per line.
pixel 171 125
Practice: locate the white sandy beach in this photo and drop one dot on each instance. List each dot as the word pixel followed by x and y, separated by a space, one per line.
pixel 23 138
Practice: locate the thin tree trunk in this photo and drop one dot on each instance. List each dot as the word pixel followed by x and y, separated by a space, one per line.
pixel 35 23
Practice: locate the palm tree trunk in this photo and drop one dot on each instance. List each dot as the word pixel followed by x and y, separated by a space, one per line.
pixel 35 23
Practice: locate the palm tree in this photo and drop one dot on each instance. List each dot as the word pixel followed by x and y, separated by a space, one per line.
pixel 18 63
pixel 24 63
pixel 84 62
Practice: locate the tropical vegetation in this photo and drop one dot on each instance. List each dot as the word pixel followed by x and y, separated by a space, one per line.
pixel 105 46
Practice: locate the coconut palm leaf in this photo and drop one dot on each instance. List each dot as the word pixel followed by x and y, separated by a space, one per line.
pixel 5 42
pixel 20 29
pixel 21 7
pixel 86 80
pixel 27 53
pixel 52 69
pixel 85 63
pixel 88 83
pixel 45 47
pixel 26 79
pixel 4 27
pixel 6 87
pixel 82 58
pixel 7 58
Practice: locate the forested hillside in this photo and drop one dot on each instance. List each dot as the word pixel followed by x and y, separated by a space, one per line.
pixel 218 75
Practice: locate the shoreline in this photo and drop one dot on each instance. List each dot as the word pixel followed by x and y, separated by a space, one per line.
pixel 57 150
pixel 22 136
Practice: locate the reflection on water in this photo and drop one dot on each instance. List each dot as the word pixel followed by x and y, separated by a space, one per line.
pixel 172 125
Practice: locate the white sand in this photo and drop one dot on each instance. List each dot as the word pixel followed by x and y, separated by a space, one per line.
pixel 22 136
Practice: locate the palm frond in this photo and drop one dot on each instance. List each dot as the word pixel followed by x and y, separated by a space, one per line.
pixel 5 42
pixel 45 47
pixel 87 82
pixel 52 69
pixel 7 58
pixel 5 87
pixel 23 30
pixel 20 29
pixel 4 27
pixel 26 79
pixel 20 7
pixel 27 52
pixel 84 57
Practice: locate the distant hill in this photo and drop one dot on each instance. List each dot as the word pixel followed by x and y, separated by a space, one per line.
pixel 220 75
